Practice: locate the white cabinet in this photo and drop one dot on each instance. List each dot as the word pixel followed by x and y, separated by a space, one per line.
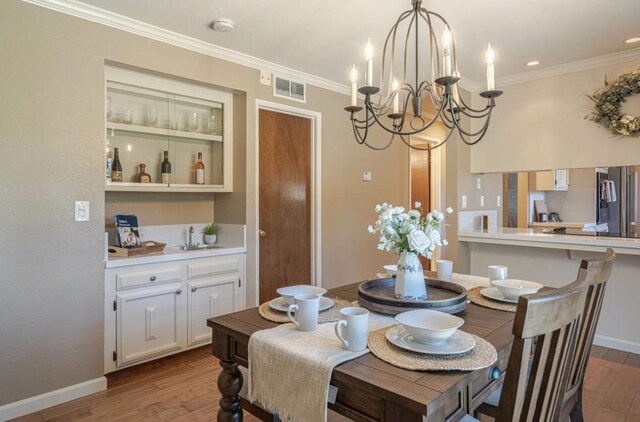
pixel 155 310
pixel 549 180
pixel 148 322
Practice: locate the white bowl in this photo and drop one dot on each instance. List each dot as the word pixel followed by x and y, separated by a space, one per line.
pixel 289 292
pixel 512 288
pixel 429 327
pixel 391 270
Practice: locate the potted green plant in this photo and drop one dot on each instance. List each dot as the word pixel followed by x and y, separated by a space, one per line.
pixel 209 231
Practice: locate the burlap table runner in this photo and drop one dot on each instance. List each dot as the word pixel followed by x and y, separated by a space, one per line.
pixel 475 297
pixel 329 315
pixel 482 356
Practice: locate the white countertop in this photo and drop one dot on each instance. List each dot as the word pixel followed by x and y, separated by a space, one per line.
pixel 534 238
pixel 173 253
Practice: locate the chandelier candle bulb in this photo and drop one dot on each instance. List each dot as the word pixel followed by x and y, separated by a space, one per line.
pixel 446 51
pixel 490 57
pixel 354 86
pixel 396 96
pixel 368 55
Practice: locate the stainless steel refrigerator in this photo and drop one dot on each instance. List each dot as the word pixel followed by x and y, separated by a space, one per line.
pixel 617 200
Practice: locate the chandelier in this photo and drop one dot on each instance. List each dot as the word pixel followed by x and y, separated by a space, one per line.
pixel 398 106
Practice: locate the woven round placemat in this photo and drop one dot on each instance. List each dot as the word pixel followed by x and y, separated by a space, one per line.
pixel 481 356
pixel 475 297
pixel 329 315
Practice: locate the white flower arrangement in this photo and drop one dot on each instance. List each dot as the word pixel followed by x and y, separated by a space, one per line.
pixel 409 232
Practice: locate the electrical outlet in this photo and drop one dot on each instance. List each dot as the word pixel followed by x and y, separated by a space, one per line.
pixel 482 200
pixel 464 201
pixel 498 201
pixel 82 211
pixel 478 183
pixel 265 78
pixel 366 176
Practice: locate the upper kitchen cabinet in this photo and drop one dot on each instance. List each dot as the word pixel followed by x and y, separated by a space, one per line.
pixel 549 180
pixel 170 135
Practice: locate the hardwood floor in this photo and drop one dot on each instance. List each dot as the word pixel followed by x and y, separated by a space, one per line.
pixel 183 388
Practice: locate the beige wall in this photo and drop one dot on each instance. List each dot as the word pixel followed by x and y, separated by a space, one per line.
pixel 154 209
pixel 578 204
pixel 540 125
pixel 52 73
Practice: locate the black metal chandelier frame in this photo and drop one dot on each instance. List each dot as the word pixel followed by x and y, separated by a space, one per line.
pixel 449 107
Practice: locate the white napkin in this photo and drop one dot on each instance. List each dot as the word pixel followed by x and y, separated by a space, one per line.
pixel 470 281
pixel 290 370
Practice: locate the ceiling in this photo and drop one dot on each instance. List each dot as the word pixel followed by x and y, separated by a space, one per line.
pixel 325 37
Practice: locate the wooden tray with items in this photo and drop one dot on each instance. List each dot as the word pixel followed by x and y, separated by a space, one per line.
pixel 146 248
pixel 379 296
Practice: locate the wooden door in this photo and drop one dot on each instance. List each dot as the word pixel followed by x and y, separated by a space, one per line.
pixel 285 201
pixel 421 185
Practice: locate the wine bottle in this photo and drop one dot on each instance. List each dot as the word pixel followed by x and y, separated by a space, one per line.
pixel 108 169
pixel 200 170
pixel 143 177
pixel 116 167
pixel 165 169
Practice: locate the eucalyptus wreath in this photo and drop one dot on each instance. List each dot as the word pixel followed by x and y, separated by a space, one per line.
pixel 608 100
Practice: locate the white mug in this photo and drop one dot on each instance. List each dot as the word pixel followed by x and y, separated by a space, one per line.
pixel 497 272
pixel 445 269
pixel 306 309
pixel 353 330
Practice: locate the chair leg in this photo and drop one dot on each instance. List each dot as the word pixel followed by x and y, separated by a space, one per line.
pixel 576 412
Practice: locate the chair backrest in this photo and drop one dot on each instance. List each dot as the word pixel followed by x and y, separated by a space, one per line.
pixel 598 272
pixel 545 327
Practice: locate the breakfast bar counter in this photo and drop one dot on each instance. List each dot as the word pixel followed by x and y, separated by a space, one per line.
pixel 369 389
pixel 553 260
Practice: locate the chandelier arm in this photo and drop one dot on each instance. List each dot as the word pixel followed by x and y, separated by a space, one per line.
pixel 438 145
pixel 472 134
pixel 433 44
pixel 485 113
pixel 381 148
pixel 407 133
pixel 465 105
pixel 393 32
pixel 470 143
pixel 406 45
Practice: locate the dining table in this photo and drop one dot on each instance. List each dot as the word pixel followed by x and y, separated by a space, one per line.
pixel 367 388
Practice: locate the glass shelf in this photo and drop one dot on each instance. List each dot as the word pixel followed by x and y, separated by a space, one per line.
pixel 163 131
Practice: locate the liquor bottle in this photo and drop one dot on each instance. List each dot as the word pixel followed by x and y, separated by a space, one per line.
pixel 116 167
pixel 142 176
pixel 200 170
pixel 165 169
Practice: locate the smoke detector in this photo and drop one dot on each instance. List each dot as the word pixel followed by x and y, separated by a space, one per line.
pixel 222 25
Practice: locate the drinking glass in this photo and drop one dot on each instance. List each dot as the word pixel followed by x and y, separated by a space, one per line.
pixel 213 124
pixel 193 122
pixel 152 116
pixel 108 107
pixel 127 117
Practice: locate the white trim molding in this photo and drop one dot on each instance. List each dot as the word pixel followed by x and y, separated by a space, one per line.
pixel 618 344
pixel 52 398
pixel 316 188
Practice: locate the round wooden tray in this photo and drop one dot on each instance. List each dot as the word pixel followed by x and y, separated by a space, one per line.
pixel 378 296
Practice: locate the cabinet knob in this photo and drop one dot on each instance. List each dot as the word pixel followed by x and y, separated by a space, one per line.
pixel 262 233
pixel 193 289
pixel 178 291
pixel 495 373
pixel 152 278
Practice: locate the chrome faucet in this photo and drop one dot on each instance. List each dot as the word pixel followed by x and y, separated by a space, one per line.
pixel 190 245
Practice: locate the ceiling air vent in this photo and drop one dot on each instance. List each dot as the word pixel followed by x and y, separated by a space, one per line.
pixel 285 88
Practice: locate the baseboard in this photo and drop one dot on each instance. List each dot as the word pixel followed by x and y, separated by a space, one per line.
pixel 614 343
pixel 52 398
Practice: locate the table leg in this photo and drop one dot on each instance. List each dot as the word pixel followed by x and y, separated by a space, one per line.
pixel 229 384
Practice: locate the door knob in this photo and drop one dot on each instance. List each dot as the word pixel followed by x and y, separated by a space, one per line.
pixel 262 233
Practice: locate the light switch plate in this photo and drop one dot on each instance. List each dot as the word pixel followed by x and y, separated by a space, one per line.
pixel 464 201
pixel 482 200
pixel 82 211
pixel 478 183
pixel 265 78
pixel 498 201
pixel 366 176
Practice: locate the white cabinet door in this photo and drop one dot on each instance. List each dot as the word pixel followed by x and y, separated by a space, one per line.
pixel 561 179
pixel 209 297
pixel 149 322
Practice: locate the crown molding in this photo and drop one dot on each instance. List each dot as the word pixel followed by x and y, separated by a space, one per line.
pixel 124 23
pixel 566 68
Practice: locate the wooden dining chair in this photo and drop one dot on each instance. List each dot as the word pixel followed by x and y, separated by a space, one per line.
pixel 597 273
pixel 545 330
